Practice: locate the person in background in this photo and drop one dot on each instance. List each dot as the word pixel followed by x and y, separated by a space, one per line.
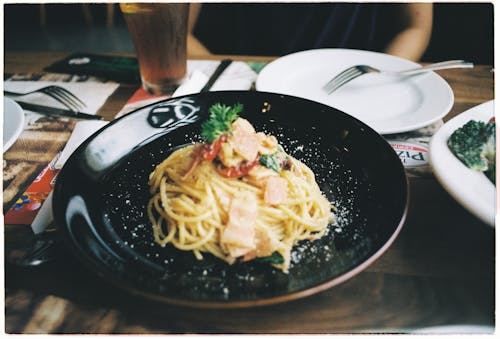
pixel 276 29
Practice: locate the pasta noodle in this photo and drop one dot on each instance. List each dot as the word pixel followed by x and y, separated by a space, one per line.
pixel 196 208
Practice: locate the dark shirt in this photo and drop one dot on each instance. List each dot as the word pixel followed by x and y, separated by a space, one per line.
pixel 283 28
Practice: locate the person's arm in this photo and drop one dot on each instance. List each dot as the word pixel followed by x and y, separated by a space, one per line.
pixel 194 46
pixel 412 41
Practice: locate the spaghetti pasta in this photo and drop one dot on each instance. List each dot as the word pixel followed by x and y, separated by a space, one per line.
pixel 260 213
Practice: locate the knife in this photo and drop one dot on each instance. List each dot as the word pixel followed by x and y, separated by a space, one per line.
pixel 57 112
pixel 215 75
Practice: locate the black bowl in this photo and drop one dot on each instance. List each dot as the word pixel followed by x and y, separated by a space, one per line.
pixel 101 194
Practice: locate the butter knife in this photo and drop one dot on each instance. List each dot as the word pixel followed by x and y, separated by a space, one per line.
pixel 57 112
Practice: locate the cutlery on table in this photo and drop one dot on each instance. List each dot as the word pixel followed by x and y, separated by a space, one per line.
pixel 57 112
pixel 36 250
pixel 353 72
pixel 65 97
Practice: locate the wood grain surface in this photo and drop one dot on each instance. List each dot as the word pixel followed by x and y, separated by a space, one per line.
pixel 439 271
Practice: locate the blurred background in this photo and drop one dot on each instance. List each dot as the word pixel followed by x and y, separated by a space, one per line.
pixel 461 30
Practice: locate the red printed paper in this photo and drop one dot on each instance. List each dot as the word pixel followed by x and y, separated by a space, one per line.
pixel 27 205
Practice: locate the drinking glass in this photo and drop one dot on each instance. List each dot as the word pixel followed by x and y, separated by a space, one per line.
pixel 159 35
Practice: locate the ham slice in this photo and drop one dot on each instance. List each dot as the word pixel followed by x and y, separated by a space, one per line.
pixel 244 140
pixel 239 233
pixel 275 190
pixel 265 245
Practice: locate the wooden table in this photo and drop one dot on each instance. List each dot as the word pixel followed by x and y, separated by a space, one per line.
pixel 439 271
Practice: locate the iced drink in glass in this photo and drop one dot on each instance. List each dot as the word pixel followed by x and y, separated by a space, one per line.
pixel 159 35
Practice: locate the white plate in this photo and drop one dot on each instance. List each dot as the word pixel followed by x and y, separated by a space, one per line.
pixel 388 104
pixel 472 189
pixel 456 329
pixel 13 122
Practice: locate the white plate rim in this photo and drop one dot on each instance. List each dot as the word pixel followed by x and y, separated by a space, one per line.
pixel 455 329
pixel 267 81
pixel 452 173
pixel 12 108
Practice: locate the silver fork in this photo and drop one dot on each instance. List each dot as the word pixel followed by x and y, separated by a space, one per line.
pixel 60 94
pixel 353 72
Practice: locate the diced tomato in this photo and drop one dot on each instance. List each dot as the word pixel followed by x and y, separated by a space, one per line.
pixel 206 152
pixel 286 164
pixel 492 119
pixel 209 151
pixel 238 171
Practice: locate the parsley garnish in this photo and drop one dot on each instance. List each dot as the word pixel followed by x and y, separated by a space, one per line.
pixel 221 118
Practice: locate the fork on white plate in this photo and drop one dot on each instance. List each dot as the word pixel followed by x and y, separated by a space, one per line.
pixel 355 71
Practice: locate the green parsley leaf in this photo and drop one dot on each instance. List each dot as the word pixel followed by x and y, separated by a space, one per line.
pixel 270 161
pixel 220 120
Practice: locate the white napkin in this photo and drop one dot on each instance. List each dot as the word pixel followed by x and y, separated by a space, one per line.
pixel 44 217
pixel 193 84
pixel 93 94
pixel 237 76
pixel 82 130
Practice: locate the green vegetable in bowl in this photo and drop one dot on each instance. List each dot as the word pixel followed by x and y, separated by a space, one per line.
pixel 474 145
pixel 274 258
pixel 270 161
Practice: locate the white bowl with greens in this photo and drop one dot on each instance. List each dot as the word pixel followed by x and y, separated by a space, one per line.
pixel 462 156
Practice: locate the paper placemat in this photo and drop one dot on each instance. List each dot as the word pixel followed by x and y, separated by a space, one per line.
pixel 41 141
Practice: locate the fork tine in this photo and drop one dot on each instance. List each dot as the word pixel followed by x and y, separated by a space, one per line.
pixel 62 96
pixel 69 98
pixel 70 95
pixel 62 99
pixel 340 81
pixel 338 76
pixel 58 93
pixel 347 76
